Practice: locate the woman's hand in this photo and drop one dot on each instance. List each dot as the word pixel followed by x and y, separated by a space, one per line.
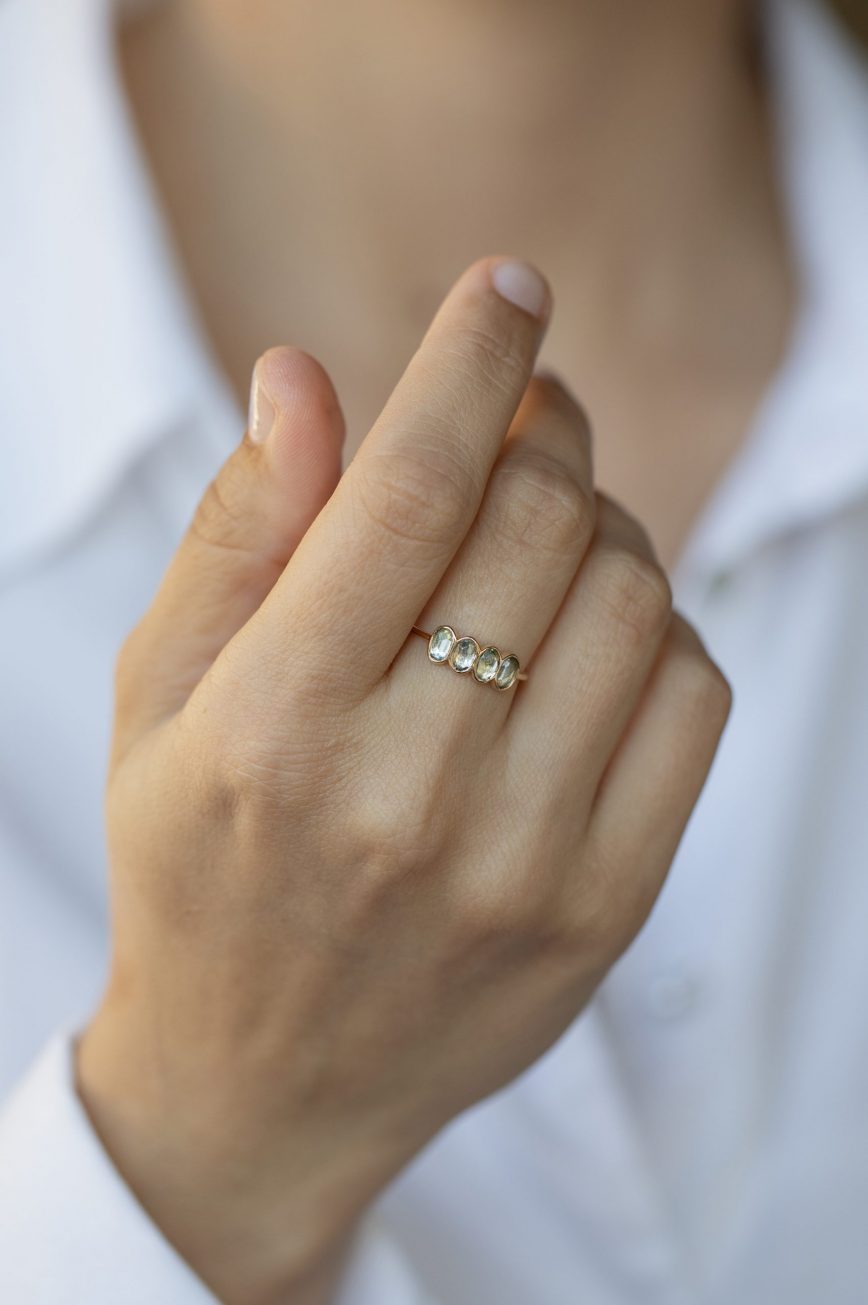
pixel 355 892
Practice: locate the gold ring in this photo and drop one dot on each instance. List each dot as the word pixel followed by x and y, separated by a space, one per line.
pixel 467 655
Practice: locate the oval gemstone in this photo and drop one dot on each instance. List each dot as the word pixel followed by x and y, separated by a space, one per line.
pixel 486 665
pixel 464 654
pixel 506 672
pixel 441 643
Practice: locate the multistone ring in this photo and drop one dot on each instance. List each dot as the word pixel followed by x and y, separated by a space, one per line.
pixel 467 656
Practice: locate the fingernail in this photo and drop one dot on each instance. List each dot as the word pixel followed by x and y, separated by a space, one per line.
pixel 262 412
pixel 522 285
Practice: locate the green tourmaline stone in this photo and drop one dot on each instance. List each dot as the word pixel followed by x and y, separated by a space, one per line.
pixel 441 643
pixel 464 654
pixel 506 672
pixel 486 665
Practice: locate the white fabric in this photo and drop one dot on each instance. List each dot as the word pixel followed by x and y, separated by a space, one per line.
pixel 71 1230
pixel 701 1132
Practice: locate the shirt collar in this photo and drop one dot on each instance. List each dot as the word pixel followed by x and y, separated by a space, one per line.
pixel 109 357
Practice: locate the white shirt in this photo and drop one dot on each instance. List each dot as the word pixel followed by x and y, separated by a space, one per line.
pixel 700 1134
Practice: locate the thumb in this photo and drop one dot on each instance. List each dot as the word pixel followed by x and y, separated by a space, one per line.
pixel 243 532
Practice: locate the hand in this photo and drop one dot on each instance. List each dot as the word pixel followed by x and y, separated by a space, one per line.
pixel 354 892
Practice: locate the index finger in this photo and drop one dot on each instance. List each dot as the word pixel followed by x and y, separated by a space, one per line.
pixel 373 556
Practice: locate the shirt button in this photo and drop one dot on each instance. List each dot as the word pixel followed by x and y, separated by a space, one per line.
pixel 671 994
pixel 721 579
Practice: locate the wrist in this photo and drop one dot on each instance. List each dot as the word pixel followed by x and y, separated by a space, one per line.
pixel 261 1210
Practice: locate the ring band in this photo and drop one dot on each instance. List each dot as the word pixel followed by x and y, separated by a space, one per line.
pixel 466 655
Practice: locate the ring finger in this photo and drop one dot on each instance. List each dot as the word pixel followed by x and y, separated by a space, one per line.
pixel 590 671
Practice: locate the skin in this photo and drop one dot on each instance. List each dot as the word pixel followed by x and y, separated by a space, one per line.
pixel 327 943
pixel 347 169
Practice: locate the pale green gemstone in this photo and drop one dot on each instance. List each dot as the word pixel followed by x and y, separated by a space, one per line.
pixel 486 665
pixel 441 643
pixel 463 655
pixel 506 672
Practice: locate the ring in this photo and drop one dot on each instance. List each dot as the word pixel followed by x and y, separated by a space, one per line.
pixel 466 654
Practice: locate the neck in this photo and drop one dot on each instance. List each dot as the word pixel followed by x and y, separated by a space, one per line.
pixel 347 171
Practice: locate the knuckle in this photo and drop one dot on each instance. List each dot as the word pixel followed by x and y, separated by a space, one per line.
pixel 619 529
pixel 538 503
pixel 127 668
pixel 487 918
pixel 553 392
pixel 220 520
pixel 254 780
pixel 637 593
pixel 705 687
pixel 615 904
pixel 125 657
pixel 225 797
pixel 390 846
pixel 493 357
pixel 513 904
pixel 421 498
pixel 271 768
pixel 597 923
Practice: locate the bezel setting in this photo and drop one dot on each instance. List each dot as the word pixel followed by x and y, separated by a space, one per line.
pixel 465 654
pixel 486 664
pixel 441 643
pixel 507 672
